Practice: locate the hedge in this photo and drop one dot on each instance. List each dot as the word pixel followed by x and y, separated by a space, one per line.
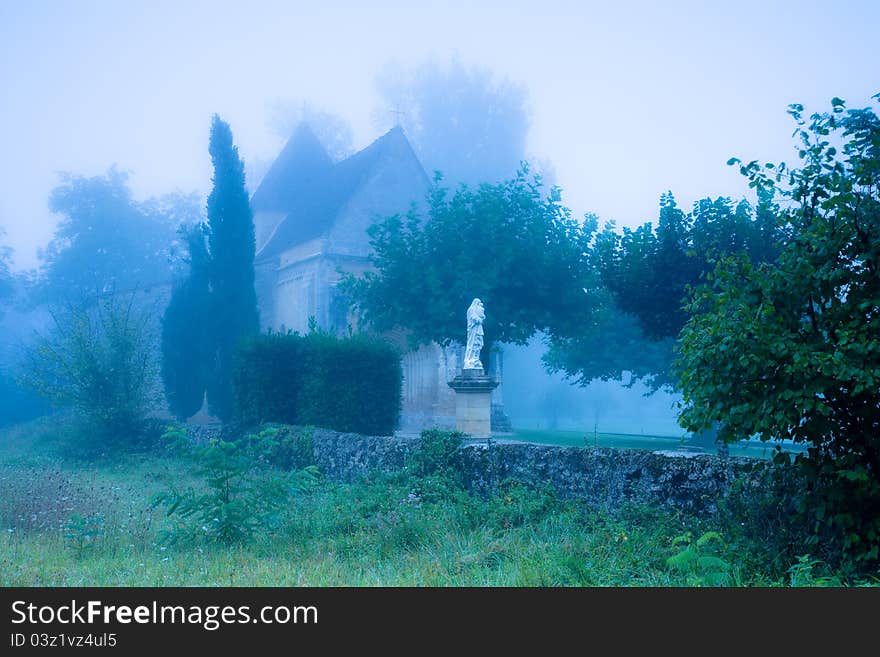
pixel 345 384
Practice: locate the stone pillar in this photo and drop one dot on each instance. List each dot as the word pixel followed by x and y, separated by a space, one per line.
pixel 500 419
pixel 473 402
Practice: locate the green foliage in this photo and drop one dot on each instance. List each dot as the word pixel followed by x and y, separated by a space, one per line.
pixel 185 333
pixel 791 349
pixel 350 384
pixel 98 360
pixel 266 379
pixel 629 331
pixel 346 384
pixel 615 348
pixel 701 560
pixel 516 505
pixel 378 531
pixel 240 496
pixel 761 521
pixel 430 466
pixel 649 271
pixel 801 574
pixel 81 533
pixel 232 245
pixel 284 447
pixel 522 257
pixel 105 240
pixel 435 452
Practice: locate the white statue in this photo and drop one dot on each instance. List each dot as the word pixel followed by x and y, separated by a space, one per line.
pixel 475 317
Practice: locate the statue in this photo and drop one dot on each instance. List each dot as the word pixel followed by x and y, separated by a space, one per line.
pixel 475 317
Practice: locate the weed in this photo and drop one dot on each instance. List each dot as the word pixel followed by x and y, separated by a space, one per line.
pixel 700 560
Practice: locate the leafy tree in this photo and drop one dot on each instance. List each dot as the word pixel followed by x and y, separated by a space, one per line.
pixel 231 268
pixel 613 348
pixel 98 359
pixel 791 349
pixel 461 121
pixel 506 243
pixel 105 240
pixel 647 273
pixel 186 340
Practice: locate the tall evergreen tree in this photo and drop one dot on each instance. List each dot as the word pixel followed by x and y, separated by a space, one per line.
pixel 232 246
pixel 186 338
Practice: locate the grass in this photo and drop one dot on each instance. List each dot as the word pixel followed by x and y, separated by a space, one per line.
pixel 65 522
pixel 748 448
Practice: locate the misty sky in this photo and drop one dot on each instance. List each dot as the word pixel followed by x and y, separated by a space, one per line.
pixel 627 99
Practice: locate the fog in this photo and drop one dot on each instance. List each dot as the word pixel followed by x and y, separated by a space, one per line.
pixel 535 399
pixel 614 102
pixel 626 99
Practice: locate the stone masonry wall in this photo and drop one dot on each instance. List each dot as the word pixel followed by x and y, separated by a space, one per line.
pixel 604 477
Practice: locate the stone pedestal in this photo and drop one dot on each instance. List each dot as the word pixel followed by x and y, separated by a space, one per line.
pixel 473 402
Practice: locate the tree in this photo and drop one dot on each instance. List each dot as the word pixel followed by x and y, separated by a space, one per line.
pixel 98 359
pixel 186 339
pixel 791 349
pixel 506 243
pixel 461 121
pixel 647 273
pixel 612 348
pixel 105 240
pixel 231 268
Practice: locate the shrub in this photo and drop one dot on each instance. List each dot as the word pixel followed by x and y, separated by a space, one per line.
pixel 432 465
pixel 701 560
pixel 284 447
pixel 345 384
pixel 789 350
pixel 98 359
pixel 239 496
pixel 266 379
pixel 435 452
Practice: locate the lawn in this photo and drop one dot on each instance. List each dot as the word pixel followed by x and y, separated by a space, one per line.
pixel 748 448
pixel 70 522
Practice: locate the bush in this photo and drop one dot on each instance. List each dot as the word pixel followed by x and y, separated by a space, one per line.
pixel 345 384
pixel 432 465
pixel 789 350
pixel 284 447
pixel 239 497
pixel 99 361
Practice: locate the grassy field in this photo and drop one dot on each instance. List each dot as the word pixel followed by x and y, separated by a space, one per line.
pixel 67 522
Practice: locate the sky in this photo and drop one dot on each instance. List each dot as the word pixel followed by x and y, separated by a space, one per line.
pixel 627 99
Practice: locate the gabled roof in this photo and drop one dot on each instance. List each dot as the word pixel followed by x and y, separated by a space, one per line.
pixel 302 159
pixel 313 205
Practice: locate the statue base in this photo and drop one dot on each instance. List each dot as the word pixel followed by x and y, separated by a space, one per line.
pixel 473 402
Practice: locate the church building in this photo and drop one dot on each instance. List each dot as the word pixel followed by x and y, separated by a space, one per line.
pixel 311 217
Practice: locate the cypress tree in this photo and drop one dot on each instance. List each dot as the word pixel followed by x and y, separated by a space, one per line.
pixel 186 337
pixel 232 247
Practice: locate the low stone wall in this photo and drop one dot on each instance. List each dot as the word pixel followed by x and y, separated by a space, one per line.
pixel 604 477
